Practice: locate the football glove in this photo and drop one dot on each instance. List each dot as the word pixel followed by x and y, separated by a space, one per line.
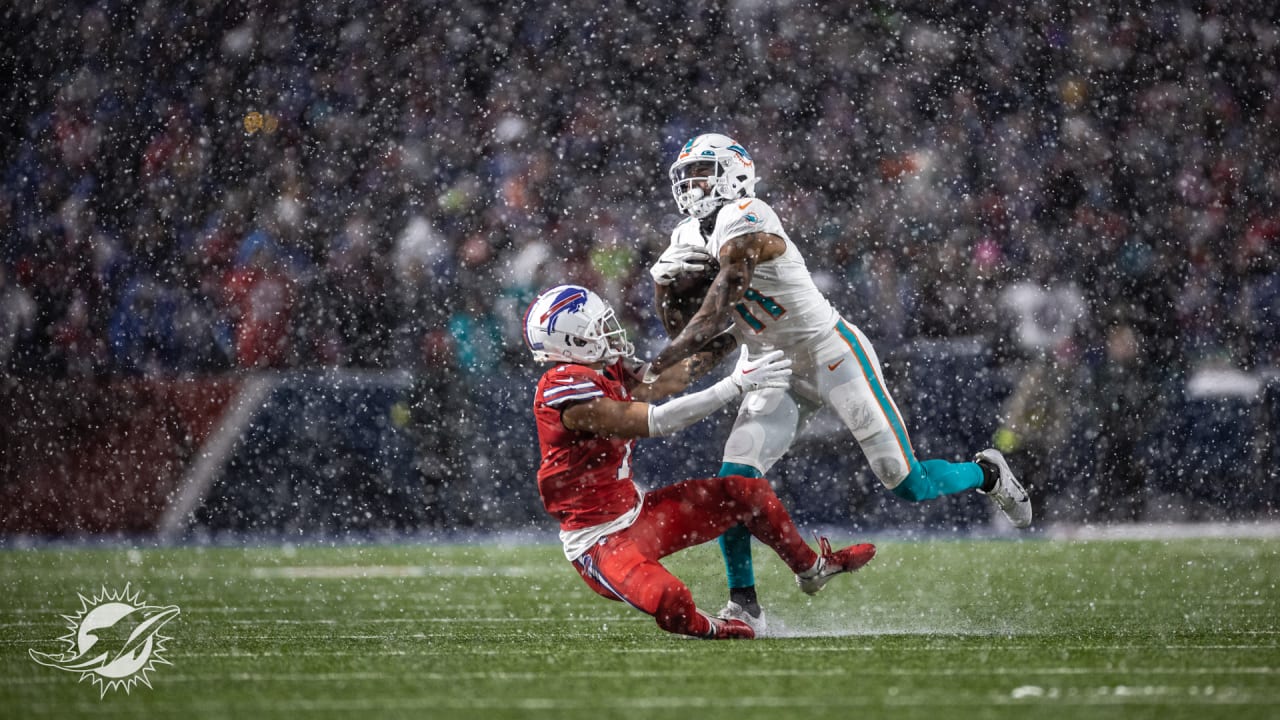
pixel 677 260
pixel 770 370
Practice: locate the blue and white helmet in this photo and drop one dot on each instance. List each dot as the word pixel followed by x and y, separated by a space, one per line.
pixel 722 163
pixel 569 323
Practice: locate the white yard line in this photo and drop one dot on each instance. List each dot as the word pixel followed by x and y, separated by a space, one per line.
pixel 734 672
pixel 326 572
pixel 1119 695
pixel 1266 530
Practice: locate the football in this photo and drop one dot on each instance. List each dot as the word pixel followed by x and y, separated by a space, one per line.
pixel 685 294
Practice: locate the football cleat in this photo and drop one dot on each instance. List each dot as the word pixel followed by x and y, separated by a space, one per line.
pixel 832 563
pixel 722 629
pixel 1008 493
pixel 734 611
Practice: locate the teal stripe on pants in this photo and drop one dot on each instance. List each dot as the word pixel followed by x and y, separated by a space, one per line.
pixel 926 480
pixel 882 398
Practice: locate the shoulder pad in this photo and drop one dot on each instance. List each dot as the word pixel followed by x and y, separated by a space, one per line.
pixel 743 216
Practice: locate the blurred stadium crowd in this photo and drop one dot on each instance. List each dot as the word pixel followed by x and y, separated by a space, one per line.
pixel 1089 190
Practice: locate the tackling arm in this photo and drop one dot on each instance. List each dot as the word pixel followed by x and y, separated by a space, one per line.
pixel 609 418
pixel 676 379
pixel 629 419
pixel 673 381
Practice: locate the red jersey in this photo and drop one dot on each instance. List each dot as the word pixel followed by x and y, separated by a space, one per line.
pixel 584 479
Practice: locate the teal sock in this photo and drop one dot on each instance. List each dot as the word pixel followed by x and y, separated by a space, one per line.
pixel 735 543
pixel 933 478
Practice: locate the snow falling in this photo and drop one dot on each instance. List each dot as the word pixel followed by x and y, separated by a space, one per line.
pixel 264 265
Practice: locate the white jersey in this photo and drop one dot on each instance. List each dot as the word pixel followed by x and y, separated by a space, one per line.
pixel 782 307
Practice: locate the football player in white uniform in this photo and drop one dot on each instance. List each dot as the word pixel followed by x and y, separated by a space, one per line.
pixel 764 289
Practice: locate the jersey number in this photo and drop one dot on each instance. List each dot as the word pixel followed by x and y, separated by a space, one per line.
pixel 766 303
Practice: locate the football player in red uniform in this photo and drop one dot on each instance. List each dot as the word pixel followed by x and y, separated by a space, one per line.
pixel 614 533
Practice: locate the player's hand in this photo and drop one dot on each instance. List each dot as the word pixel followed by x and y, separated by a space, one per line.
pixel 677 260
pixel 770 370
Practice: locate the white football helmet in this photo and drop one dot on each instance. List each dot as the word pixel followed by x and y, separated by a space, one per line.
pixel 717 159
pixel 569 323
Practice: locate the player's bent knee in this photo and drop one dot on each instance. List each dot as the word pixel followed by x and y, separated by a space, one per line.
pixel 892 472
pixel 750 491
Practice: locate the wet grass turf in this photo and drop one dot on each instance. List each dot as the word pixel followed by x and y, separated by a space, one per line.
pixel 960 628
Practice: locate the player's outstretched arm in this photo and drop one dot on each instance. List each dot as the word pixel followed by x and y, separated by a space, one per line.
pixel 738 260
pixel 677 379
pixel 711 354
pixel 622 419
pixel 673 381
pixel 609 418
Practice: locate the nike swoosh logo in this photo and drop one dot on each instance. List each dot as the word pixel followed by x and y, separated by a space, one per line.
pixel 832 367
pixel 744 205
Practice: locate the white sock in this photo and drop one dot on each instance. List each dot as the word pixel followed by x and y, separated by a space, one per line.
pixel 815 570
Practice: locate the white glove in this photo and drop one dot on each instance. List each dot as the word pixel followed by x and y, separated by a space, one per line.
pixel 676 260
pixel 770 370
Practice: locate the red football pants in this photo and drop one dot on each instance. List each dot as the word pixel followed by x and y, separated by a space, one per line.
pixel 624 566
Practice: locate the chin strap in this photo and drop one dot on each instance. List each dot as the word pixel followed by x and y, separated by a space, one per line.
pixel 647 375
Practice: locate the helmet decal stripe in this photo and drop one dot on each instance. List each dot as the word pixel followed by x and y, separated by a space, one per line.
pixel 570 300
pixel 569 323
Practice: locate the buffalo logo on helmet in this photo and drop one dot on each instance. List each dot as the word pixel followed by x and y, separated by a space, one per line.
pixel 570 300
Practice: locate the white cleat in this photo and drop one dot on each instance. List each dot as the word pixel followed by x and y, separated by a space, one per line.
pixel 734 611
pixel 1008 493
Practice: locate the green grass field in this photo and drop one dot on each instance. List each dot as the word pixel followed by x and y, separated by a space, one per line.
pixel 938 629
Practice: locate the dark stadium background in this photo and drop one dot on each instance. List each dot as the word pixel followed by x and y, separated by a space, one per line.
pixel 1057 221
